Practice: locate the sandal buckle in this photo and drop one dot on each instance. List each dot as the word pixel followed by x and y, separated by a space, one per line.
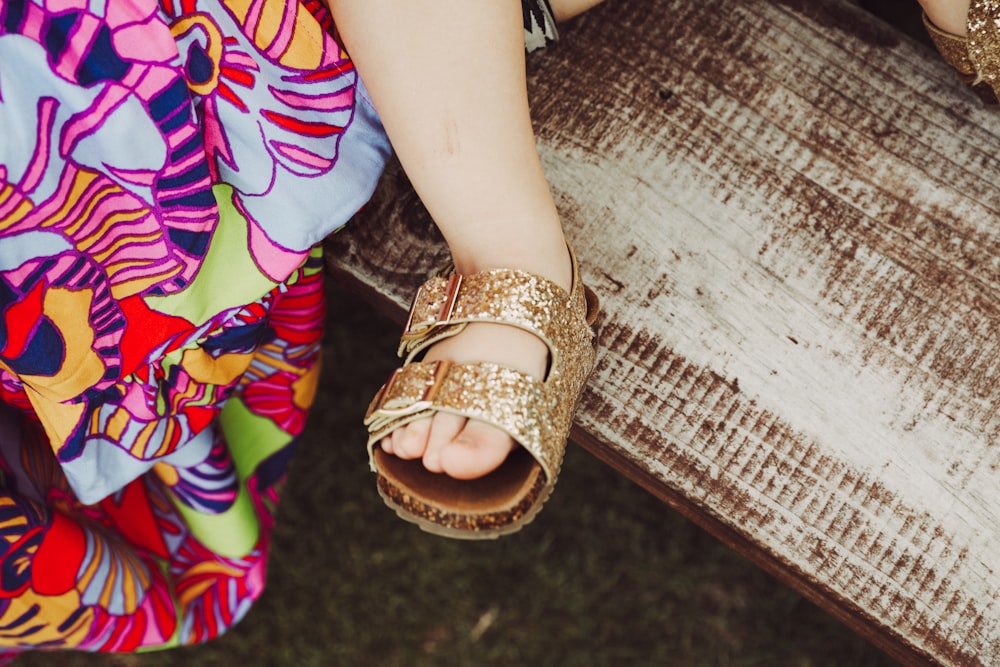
pixel 444 313
pixel 430 391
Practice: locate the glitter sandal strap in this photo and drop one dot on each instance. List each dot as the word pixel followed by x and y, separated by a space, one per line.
pixel 976 58
pixel 443 305
pixel 503 397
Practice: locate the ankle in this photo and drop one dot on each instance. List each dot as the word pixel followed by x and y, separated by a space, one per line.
pixel 538 248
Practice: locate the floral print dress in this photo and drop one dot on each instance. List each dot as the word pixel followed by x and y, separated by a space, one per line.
pixel 167 169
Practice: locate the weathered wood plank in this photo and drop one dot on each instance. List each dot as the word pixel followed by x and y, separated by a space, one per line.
pixel 791 215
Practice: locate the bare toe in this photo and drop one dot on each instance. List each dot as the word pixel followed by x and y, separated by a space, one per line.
pixel 410 441
pixel 444 428
pixel 478 450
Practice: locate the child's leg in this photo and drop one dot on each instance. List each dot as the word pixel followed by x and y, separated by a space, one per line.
pixel 567 9
pixel 447 77
pixel 949 15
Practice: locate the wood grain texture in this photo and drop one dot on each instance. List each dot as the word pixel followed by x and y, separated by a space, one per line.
pixel 790 213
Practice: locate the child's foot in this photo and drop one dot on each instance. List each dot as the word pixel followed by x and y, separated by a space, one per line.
pixel 465 448
pixel 948 15
pixel 459 447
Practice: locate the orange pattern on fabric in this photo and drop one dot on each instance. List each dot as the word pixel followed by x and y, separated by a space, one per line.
pixel 69 311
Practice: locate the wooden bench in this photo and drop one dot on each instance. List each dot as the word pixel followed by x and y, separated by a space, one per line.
pixel 790 213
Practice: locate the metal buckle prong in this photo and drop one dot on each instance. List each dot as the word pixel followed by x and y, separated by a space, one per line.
pixel 450 297
pixel 440 372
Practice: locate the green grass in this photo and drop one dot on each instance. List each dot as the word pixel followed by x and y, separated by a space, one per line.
pixel 607 575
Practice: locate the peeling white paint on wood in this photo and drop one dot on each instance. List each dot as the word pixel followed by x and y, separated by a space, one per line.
pixel 792 218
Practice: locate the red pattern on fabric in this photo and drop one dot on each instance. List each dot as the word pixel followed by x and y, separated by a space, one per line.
pixel 132 516
pixel 57 562
pixel 145 330
pixel 20 319
pixel 302 127
pixel 200 417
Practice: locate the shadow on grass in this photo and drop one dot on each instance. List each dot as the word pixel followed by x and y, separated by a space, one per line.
pixel 606 575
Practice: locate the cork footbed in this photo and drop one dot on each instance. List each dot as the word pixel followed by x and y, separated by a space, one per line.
pixel 500 503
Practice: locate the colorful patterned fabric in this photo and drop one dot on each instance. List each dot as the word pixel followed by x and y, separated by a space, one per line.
pixel 167 169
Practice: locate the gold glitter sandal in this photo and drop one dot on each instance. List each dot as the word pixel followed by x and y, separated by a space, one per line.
pixel 976 57
pixel 536 414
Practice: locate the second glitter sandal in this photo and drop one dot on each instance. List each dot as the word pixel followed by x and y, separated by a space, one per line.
pixel 536 413
pixel 976 57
